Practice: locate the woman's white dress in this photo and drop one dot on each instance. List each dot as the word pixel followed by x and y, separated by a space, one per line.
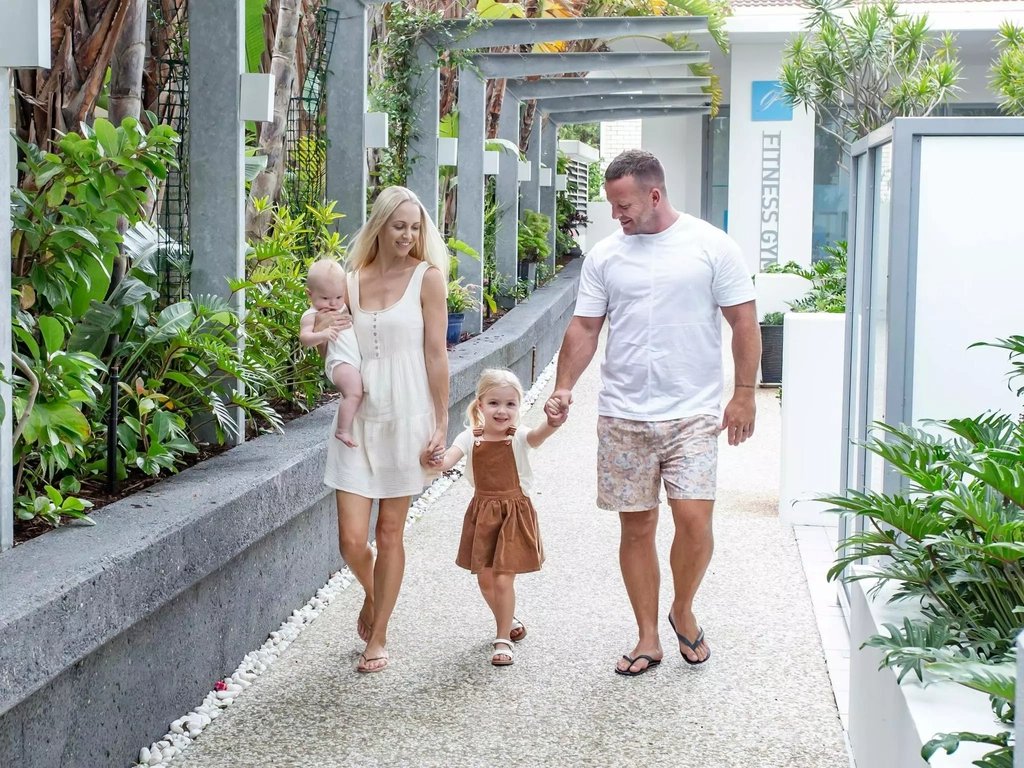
pixel 396 418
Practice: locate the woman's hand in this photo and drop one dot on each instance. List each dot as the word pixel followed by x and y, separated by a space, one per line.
pixel 436 446
pixel 332 319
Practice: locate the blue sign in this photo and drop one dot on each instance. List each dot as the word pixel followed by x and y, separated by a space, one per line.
pixel 768 105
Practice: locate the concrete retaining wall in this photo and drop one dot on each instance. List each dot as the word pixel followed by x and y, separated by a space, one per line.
pixel 109 633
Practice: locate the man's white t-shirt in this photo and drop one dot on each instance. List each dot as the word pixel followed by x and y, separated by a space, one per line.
pixel 662 295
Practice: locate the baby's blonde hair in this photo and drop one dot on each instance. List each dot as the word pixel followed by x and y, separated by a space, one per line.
pixel 491 378
pixel 323 270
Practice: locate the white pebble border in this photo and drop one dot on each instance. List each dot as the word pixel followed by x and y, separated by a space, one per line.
pixel 188 728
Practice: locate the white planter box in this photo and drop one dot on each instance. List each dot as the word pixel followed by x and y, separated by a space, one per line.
pixel 890 721
pixel 812 415
pixel 775 291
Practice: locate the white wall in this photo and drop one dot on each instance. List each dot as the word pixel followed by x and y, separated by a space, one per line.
pixel 677 142
pixel 791 233
pixel 599 213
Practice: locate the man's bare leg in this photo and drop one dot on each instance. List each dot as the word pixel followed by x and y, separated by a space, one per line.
pixel 691 552
pixel 638 559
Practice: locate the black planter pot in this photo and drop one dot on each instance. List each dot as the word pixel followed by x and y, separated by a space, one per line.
pixel 528 272
pixel 575 252
pixel 771 354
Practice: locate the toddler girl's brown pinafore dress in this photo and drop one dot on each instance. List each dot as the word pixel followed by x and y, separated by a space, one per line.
pixel 500 528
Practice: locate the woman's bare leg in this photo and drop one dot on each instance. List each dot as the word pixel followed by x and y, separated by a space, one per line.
pixel 353 540
pixel 387 576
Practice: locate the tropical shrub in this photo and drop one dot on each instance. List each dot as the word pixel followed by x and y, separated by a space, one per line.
pixel 952 542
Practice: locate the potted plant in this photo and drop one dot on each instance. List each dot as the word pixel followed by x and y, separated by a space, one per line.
pixel 533 244
pixel 771 349
pixel 460 299
pixel 568 221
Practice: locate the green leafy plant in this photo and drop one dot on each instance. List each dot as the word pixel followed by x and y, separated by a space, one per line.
pixel 533 237
pixel 460 297
pixel 773 318
pixel 1007 77
pixel 953 543
pixel 859 65
pixel 828 281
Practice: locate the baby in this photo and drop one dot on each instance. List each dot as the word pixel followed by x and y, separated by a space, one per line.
pixel 327 289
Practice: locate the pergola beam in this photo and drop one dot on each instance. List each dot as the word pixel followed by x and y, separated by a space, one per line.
pixel 561 87
pixel 459 34
pixel 624 113
pixel 617 101
pixel 520 65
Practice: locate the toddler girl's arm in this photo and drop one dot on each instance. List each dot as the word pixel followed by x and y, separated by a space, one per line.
pixel 451 457
pixel 538 435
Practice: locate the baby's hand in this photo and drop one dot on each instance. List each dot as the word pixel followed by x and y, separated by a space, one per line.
pixel 332 333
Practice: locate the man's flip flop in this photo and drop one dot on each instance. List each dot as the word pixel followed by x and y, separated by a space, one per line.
pixel 367 670
pixel 692 646
pixel 628 672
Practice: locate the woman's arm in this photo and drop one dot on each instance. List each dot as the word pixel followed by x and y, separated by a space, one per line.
pixel 435 350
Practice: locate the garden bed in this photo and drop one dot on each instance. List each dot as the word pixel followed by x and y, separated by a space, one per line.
pixel 130 622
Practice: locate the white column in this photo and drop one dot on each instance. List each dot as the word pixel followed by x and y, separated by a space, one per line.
pixel 677 142
pixel 6 428
pixel 771 164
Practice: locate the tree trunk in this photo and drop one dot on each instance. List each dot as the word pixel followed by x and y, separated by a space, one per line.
pixel 127 65
pixel 58 100
pixel 273 136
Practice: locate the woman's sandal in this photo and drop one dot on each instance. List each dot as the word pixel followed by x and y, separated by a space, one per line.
pixel 510 653
pixel 518 630
pixel 361 667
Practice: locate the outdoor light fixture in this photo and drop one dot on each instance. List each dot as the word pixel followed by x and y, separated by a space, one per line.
pixel 545 177
pixel 525 170
pixel 375 130
pixel 562 182
pixel 256 102
pixel 447 151
pixel 25 34
pixel 492 163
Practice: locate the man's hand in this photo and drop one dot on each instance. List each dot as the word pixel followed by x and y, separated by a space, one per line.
pixel 557 406
pixel 739 416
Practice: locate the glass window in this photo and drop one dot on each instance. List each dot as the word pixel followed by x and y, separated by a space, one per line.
pixel 970 110
pixel 831 193
pixel 716 179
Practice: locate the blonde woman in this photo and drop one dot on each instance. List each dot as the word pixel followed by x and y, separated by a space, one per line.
pixel 397 288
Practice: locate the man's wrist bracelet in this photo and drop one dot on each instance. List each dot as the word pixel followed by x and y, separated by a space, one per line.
pixel 746 386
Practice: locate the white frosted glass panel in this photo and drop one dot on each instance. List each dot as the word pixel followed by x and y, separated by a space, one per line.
pixel 878 320
pixel 857 303
pixel 970 273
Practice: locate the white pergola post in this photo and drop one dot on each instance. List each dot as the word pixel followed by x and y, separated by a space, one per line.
pixel 24 43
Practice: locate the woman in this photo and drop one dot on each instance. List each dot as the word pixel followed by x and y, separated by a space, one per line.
pixel 397 288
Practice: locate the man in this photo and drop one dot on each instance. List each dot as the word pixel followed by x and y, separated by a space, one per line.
pixel 663 282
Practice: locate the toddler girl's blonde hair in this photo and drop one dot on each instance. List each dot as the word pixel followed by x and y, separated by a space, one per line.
pixel 492 378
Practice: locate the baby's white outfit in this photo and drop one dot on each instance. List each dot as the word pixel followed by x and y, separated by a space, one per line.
pixel 344 349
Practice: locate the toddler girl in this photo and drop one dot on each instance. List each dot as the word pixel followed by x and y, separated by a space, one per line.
pixel 327 289
pixel 500 537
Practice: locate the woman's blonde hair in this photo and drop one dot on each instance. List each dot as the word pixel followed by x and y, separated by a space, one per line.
pixel 492 378
pixel 429 246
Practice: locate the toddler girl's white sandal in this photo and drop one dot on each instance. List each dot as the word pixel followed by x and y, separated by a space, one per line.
pixel 509 651
pixel 518 630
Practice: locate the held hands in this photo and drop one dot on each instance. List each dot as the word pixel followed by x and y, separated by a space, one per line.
pixel 739 416
pixel 557 407
pixel 433 456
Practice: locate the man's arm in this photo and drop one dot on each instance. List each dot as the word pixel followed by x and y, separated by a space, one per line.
pixel 578 348
pixel 746 353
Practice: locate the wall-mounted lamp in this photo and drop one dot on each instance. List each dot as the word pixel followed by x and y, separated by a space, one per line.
pixel 447 151
pixel 525 170
pixel 545 177
pixel 492 163
pixel 25 35
pixel 375 130
pixel 562 182
pixel 256 100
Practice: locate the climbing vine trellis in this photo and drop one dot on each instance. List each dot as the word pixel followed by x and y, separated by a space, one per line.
pixel 169 70
pixel 305 173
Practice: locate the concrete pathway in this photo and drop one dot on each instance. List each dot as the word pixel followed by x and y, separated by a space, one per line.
pixel 763 700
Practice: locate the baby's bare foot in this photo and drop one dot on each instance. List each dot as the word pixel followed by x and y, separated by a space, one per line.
pixel 346 437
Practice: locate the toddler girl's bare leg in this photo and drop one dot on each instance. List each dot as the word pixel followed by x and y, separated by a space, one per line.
pixel 350 383
pixel 486 581
pixel 504 606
